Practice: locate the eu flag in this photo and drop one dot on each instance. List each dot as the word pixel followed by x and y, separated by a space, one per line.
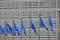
pixel 23 27
pixel 8 29
pixel 16 29
pixel 2 30
pixel 32 26
pixel 42 23
pixel 51 24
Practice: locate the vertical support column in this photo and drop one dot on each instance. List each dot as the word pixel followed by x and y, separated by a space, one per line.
pixel 21 20
pixel 38 22
pixel 56 22
pixel 13 26
pixel 2 19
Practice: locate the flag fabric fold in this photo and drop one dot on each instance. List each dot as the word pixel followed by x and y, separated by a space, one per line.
pixel 43 24
pixel 32 26
pixel 8 29
pixel 2 30
pixel 23 27
pixel 16 29
pixel 51 24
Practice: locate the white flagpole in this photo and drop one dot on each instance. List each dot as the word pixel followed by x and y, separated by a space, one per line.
pixel 12 31
pixel 5 30
pixel 48 28
pixel 21 28
pixel 29 27
pixel 39 28
pixel 48 33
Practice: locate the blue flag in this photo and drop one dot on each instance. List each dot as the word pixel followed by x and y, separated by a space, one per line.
pixel 32 26
pixel 51 24
pixel 42 23
pixel 23 27
pixel 2 30
pixel 16 29
pixel 8 29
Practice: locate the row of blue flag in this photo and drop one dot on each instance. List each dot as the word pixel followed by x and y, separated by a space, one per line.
pixel 16 29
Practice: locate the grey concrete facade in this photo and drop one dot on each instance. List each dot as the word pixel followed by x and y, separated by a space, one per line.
pixel 17 9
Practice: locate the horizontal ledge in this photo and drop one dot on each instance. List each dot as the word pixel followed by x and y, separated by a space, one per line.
pixel 23 7
pixel 38 7
pixel 24 17
pixel 25 37
pixel 39 26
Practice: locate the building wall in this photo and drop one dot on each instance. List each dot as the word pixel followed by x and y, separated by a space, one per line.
pixel 17 9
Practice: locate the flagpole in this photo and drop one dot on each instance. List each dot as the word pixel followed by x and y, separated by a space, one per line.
pixel 48 28
pixel 13 31
pixel 48 33
pixel 21 28
pixel 39 27
pixel 39 31
pixel 5 30
pixel 30 33
pixel 29 27
pixel 38 22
